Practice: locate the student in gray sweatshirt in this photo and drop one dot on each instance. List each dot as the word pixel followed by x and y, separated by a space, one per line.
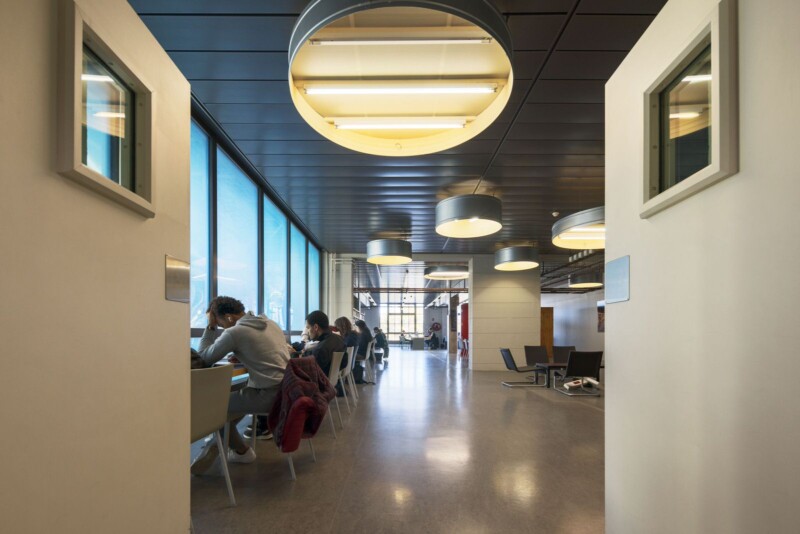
pixel 259 344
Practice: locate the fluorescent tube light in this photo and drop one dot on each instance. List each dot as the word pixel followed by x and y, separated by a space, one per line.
pixel 459 89
pixel 684 115
pixel 97 78
pixel 392 42
pixel 399 123
pixel 695 78
pixel 110 114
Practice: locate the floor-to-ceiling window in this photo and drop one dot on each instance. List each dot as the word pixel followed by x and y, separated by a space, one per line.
pixel 276 264
pixel 243 245
pixel 237 233
pixel 297 320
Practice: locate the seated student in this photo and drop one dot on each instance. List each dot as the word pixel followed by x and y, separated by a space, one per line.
pixel 327 342
pixel 381 342
pixel 364 339
pixel 259 344
pixel 345 328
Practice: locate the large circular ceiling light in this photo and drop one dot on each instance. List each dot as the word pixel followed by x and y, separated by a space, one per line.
pixel 400 77
pixel 469 216
pixel 388 252
pixel 519 258
pixel 585 281
pixel 585 230
pixel 447 272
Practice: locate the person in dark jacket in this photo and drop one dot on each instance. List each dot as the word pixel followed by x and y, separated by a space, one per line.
pixel 345 328
pixel 327 342
pixel 364 338
pixel 381 342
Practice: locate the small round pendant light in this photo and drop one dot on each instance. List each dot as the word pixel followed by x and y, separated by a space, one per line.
pixel 585 230
pixel 447 272
pixel 465 216
pixel 519 258
pixel 585 280
pixel 389 251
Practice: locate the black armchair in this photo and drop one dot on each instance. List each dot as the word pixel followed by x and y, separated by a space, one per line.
pixel 511 365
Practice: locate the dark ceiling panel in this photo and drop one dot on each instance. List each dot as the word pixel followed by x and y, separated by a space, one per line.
pixel 581 132
pixel 241 92
pixel 550 158
pixel 231 66
pixel 568 91
pixel 534 32
pixel 622 7
pixel 582 65
pixel 565 113
pixel 256 113
pixel 603 32
pixel 242 7
pixel 243 33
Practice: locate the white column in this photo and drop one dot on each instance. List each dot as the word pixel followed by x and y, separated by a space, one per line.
pixel 504 312
pixel 341 288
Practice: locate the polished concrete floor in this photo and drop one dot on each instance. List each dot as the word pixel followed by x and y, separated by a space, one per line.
pixel 431 448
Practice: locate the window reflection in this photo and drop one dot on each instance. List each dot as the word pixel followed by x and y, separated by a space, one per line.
pixel 107 122
pixel 313 278
pixel 686 122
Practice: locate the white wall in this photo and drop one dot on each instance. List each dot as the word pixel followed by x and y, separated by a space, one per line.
pixel 94 392
pixel 575 319
pixel 440 314
pixel 504 312
pixel 702 418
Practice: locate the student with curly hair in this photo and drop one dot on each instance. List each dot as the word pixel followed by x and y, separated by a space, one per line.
pixel 259 344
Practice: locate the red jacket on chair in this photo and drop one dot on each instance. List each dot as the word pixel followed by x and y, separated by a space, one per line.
pixel 301 404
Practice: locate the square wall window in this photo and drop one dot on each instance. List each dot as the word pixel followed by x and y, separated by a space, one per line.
pixel 107 122
pixel 685 122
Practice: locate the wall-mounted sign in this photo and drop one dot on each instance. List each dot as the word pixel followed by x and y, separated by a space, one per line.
pixel 176 280
pixel 618 275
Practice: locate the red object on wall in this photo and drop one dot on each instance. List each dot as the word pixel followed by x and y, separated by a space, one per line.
pixel 465 320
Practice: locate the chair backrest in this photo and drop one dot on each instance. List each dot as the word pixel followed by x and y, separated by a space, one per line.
pixel 295 428
pixel 351 361
pixel 211 390
pixel 535 354
pixel 582 364
pixel 336 362
pixel 511 365
pixel 561 354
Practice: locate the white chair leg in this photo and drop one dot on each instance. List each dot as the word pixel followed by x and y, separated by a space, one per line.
pixel 353 389
pixel 343 382
pixel 313 454
pixel 341 422
pixel 291 466
pixel 224 460
pixel 333 425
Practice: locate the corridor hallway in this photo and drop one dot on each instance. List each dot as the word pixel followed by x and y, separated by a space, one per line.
pixel 432 448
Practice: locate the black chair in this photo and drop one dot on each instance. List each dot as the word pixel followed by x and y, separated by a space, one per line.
pixel 533 355
pixel 561 353
pixel 579 366
pixel 511 365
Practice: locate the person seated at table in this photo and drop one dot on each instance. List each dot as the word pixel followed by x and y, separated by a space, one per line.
pixel 381 342
pixel 364 339
pixel 258 343
pixel 345 328
pixel 327 342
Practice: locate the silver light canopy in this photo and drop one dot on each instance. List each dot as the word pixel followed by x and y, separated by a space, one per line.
pixel 586 280
pixel 585 230
pixel 518 258
pixel 447 272
pixel 466 216
pixel 389 251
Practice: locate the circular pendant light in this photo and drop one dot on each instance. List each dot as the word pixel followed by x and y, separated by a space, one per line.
pixel 447 272
pixel 465 216
pixel 519 258
pixel 389 251
pixel 585 280
pixel 400 77
pixel 585 230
